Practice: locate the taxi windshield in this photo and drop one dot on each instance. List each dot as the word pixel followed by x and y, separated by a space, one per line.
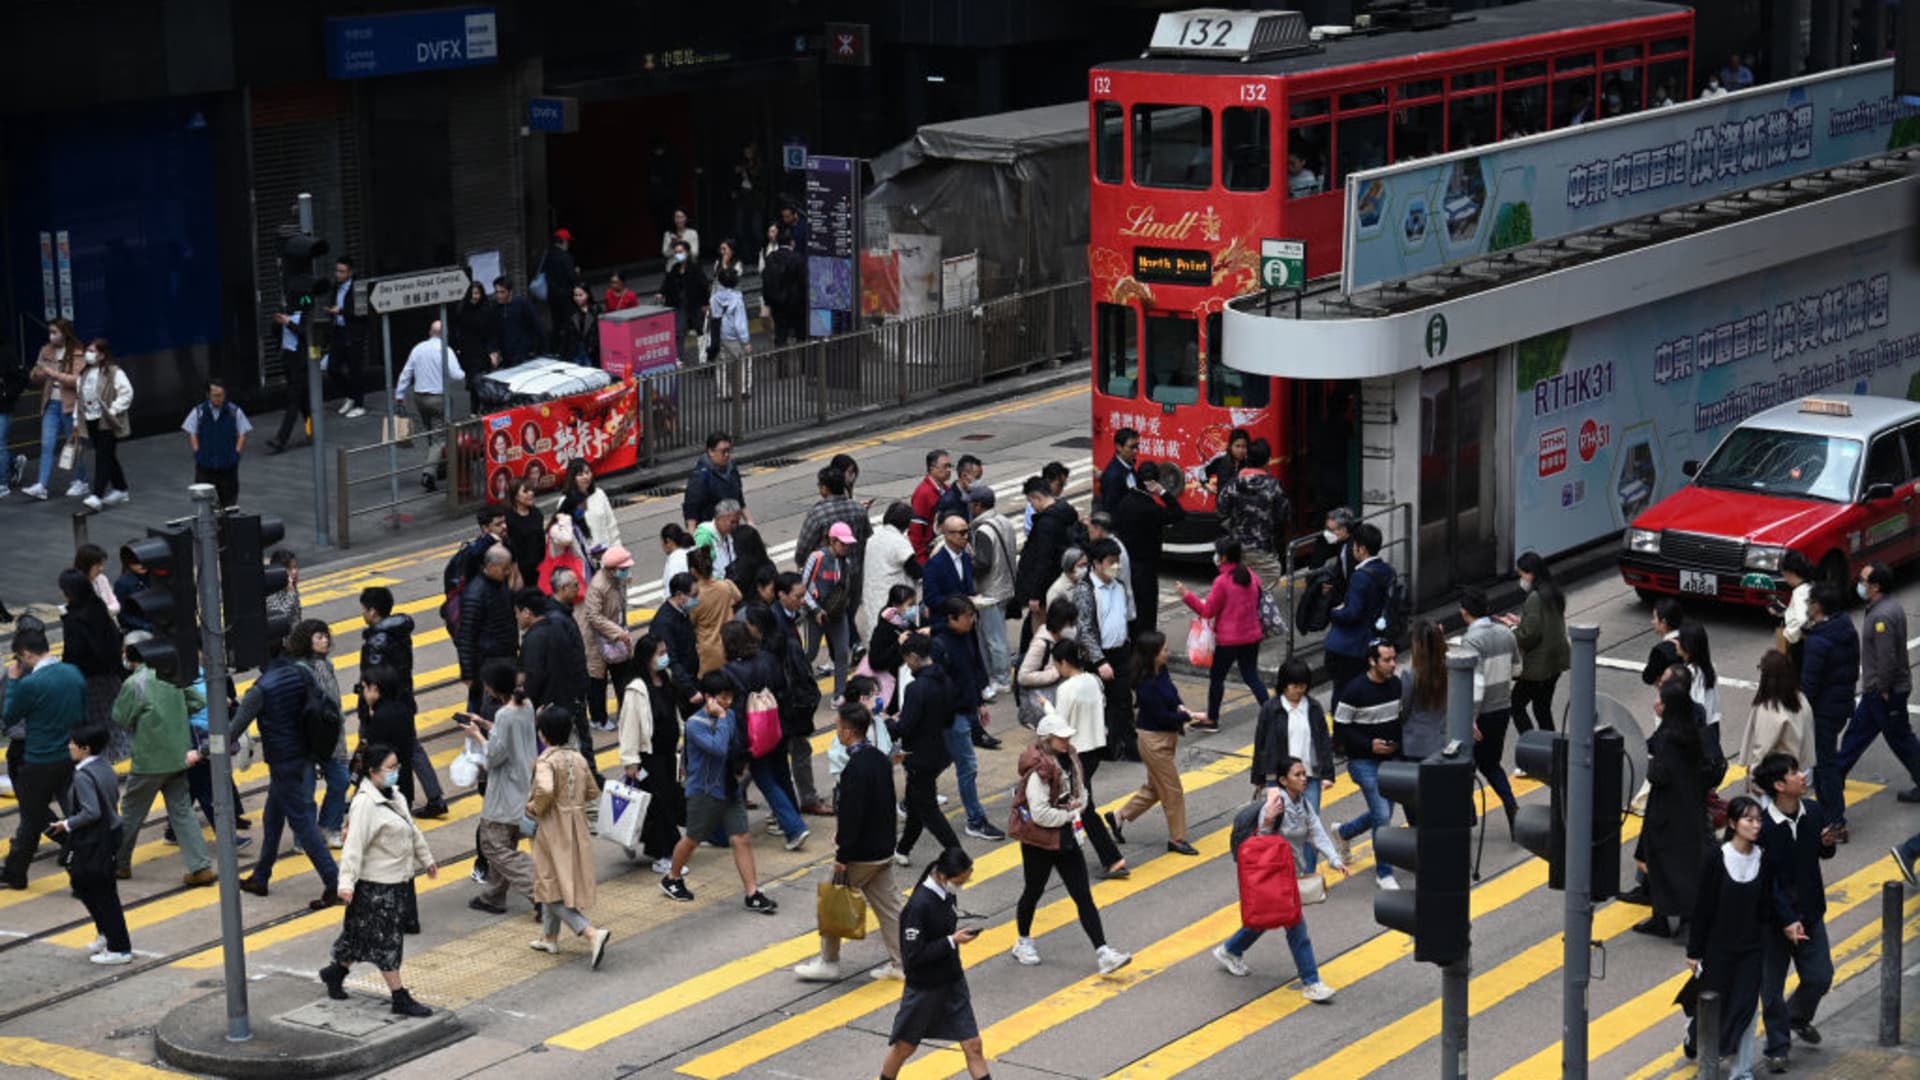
pixel 1789 463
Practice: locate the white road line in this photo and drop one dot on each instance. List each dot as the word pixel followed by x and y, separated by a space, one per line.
pixel 1618 664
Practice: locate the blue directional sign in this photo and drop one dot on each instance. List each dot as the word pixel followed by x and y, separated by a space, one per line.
pixel 364 47
pixel 555 115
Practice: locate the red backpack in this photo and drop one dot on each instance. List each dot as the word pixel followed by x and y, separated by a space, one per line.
pixel 1269 892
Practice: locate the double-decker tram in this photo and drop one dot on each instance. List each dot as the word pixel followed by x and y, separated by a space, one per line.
pixel 1242 126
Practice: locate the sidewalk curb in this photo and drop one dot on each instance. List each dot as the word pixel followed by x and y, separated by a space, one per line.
pixel 299 1032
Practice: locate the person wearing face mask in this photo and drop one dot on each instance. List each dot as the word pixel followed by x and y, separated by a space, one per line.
pixel 1039 678
pixel 936 1003
pixel 563 553
pixel 685 289
pixel 382 853
pixel 1232 604
pixel 882 661
pixel 1885 684
pixel 105 396
pixel 602 616
pixel 1073 568
pixel 57 372
pixel 649 744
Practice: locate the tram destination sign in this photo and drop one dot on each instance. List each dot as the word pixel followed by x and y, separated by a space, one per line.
pixel 1415 218
pixel 1172 266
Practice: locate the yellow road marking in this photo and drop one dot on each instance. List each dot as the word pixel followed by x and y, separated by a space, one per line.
pixel 317 597
pixel 77 1064
pixel 735 973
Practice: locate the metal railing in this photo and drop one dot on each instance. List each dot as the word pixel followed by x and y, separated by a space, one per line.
pixel 1404 565
pixel 760 395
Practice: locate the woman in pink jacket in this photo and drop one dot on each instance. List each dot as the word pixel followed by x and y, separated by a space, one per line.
pixel 1233 606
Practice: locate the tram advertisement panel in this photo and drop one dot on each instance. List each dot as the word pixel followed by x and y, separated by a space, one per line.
pixel 1606 411
pixel 1409 220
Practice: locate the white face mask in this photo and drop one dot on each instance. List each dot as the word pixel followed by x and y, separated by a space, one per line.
pixel 679 256
pixel 56 337
pixel 1329 536
pixel 93 356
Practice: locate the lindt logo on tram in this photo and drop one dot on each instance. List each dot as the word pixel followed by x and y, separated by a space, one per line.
pixel 1242 126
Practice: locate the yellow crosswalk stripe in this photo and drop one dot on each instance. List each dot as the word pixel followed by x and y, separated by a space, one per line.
pixel 76 1064
pixel 711 984
pixel 1623 1023
pixel 346 575
pixel 1383 1046
pixel 315 597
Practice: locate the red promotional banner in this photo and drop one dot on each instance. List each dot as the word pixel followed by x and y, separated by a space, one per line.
pixel 537 441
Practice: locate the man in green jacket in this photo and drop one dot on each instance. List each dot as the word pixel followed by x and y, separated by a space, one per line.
pixel 49 697
pixel 155 712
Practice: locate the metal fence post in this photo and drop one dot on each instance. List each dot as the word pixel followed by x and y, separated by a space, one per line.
pixel 1706 1034
pixel 345 508
pixel 79 527
pixel 391 435
pixel 1891 964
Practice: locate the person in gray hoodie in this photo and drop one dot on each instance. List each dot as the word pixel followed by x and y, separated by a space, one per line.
pixel 1496 656
pixel 1884 688
pixel 509 745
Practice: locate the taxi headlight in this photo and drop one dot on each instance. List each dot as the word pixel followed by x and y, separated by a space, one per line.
pixel 1643 541
pixel 1764 557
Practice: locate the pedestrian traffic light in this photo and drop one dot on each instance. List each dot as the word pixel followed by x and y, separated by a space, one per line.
pixel 299 283
pixel 246 582
pixel 1543 829
pixel 1438 792
pixel 168 603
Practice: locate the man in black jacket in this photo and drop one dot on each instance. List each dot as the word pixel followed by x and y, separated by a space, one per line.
pixel 388 642
pixel 1047 540
pixel 558 265
pixel 957 652
pixel 863 844
pixel 277 700
pixel 486 623
pixel 553 660
pixel 784 285
pixel 1140 522
pixel 926 712
pixel 1794 839
pixel 672 627
pixel 1118 477
pixel 517 335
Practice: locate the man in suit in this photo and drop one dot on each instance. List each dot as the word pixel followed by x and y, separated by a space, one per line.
pixel 671 625
pixel 1118 477
pixel 344 348
pixel 949 569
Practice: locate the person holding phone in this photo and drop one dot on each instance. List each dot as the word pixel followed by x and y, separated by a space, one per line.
pixel 1366 725
pixel 510 748
pixel 936 1003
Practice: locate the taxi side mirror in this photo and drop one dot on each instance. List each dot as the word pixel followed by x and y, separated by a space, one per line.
pixel 1877 492
pixel 1689 466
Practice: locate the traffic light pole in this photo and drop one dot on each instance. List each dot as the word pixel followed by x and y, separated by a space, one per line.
pixel 213 647
pixel 1454 976
pixel 1578 938
pixel 316 402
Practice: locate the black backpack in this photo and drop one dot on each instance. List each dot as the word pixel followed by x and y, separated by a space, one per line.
pixel 320 719
pixel 1398 609
pixel 1246 823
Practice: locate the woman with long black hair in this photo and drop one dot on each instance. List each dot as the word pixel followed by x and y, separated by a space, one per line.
pixel 91 642
pixel 1161 719
pixel 1698 656
pixel 936 1003
pixel 649 744
pixel 378 858
pixel 1541 631
pixel 1731 918
pixel 1674 840
pixel 1232 604
pixel 1050 796
pixel 387 718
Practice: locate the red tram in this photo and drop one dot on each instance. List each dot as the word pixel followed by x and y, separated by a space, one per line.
pixel 1239 126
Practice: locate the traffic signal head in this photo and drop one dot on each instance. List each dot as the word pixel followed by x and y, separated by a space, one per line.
pixel 1435 910
pixel 298 284
pixel 1609 754
pixel 245 584
pixel 1543 829
pixel 168 603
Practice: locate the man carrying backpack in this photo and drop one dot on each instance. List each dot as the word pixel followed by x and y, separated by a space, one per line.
pixel 486 630
pixel 1361 616
pixel 278 701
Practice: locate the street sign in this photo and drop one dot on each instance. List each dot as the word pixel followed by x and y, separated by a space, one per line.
pixel 1283 263
pixel 429 288
pixel 849 44
pixel 553 115
pixel 365 46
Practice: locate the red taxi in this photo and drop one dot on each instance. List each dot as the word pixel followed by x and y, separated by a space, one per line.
pixel 1832 478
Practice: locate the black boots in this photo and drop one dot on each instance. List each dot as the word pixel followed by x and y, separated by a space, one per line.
pixel 404 1005
pixel 335 976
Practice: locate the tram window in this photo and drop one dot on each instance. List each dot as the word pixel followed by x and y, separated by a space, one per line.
pixel 1172 146
pixel 1471 122
pixel 1231 389
pixel 1418 130
pixel 1303 110
pixel 1306 160
pixel 1247 136
pixel 1523 111
pixel 1620 54
pixel 1534 70
pixel 1575 62
pixel 1620 92
pixel 1573 101
pixel 1360 143
pixel 1422 89
pixel 1671 45
pixel 1173 360
pixel 1109 152
pixel 1667 82
pixel 1119 351
pixel 1363 99
pixel 1472 80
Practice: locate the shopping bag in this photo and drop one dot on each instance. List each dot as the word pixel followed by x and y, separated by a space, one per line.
pixel 841 909
pixel 1313 889
pixel 465 770
pixel 1273 621
pixel 623 809
pixel 1199 643
pixel 69 451
pixel 763 723
pixel 1269 889
pixel 397 429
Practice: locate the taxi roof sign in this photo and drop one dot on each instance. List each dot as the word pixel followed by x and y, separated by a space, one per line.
pixel 1826 407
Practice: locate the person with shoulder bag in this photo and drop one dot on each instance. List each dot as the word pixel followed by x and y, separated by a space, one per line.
pixel 106 395
pixel 1286 811
pixel 564 785
pixel 382 852
pixel 57 372
pixel 1048 801
pixel 90 834
pixel 602 616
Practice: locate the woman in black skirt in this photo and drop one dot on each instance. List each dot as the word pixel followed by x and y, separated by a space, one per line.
pixel 383 850
pixel 935 1003
pixel 650 745
pixel 1731 918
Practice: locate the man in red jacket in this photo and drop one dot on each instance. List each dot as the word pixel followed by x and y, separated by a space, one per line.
pixel 925 498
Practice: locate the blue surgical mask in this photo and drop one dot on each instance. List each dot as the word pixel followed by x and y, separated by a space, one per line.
pixel 692 602
pixel 623 573
pixel 1860 587
pixel 662 662
pixel 390 778
pixel 911 613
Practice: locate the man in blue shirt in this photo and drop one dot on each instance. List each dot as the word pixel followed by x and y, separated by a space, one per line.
pixel 49 698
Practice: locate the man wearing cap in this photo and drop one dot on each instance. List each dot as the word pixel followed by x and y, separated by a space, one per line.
pixel 558 265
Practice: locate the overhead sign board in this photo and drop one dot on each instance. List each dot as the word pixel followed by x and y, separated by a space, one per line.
pixel 1406 220
pixel 1204 32
pixel 429 288
pixel 368 46
pixel 553 115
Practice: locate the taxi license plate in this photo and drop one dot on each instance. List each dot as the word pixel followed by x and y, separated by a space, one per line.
pixel 1698 583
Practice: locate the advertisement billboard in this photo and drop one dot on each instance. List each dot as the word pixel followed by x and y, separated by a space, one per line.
pixel 537 441
pixel 1605 412
pixel 1423 216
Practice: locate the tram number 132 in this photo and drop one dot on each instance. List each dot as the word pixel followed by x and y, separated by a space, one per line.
pixel 1195 32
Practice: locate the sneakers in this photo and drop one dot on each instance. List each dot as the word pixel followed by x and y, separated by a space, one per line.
pixel 1317 992
pixel 662 866
pixel 346 407
pixel 888 970
pixel 761 904
pixel 900 858
pixel 111 959
pixel 35 491
pixel 1388 883
pixel 774 829
pixel 92 502
pixel 1111 959
pixel 333 839
pixel 78 489
pixel 601 939
pixel 99 945
pixel 1906 868
pixel 795 843
pixel 477 875
pixel 1025 952
pixel 676 889
pixel 1234 965
pixel 1777 1064
pixel 992 691
pixel 818 969
pixel 115 497
pixel 985 831
pixel 540 944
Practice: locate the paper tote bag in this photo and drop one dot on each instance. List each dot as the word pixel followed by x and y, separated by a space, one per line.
pixel 842 910
pixel 623 810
